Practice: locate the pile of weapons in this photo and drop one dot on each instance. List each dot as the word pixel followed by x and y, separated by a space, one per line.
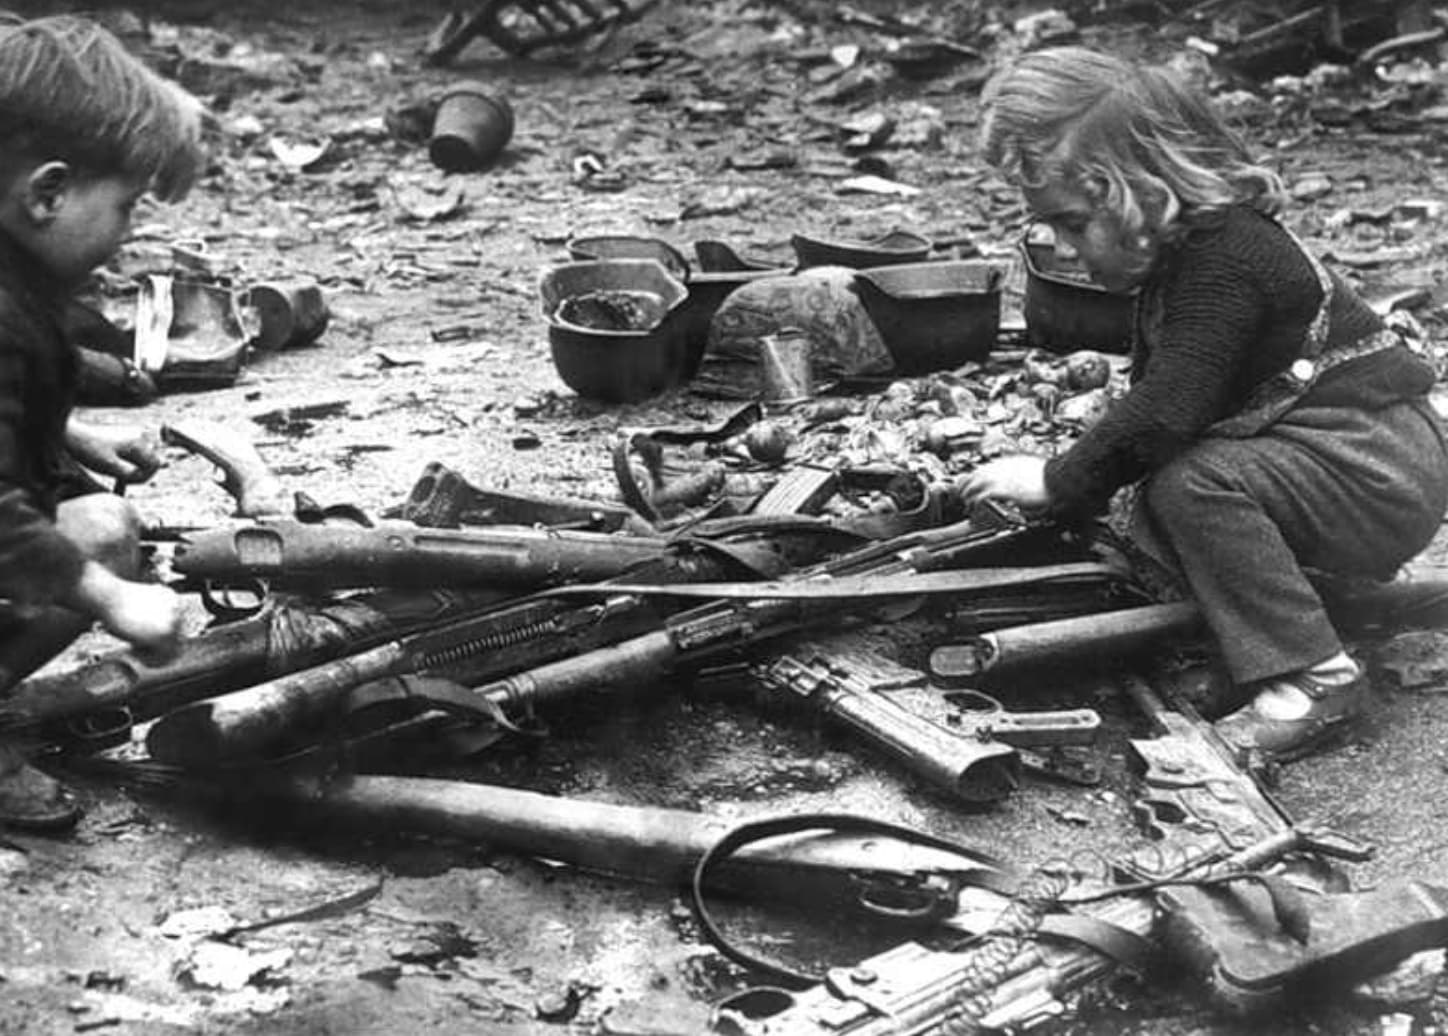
pixel 372 633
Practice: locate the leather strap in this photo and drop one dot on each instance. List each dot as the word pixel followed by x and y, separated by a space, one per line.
pixel 1122 945
pixel 905 584
pixel 648 445
pixel 985 871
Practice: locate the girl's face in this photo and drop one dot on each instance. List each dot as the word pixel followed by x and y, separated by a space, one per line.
pixel 1089 233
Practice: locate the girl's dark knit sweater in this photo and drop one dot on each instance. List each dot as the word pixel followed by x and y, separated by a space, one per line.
pixel 1236 301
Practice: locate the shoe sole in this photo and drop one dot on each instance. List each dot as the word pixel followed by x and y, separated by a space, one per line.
pixel 1327 737
pixel 60 820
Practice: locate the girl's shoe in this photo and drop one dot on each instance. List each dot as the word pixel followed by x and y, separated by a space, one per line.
pixel 1293 716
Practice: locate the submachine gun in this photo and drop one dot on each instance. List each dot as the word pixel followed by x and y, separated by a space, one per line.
pixel 1214 891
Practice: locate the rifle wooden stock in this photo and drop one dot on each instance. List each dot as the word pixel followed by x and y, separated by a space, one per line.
pixel 401 554
pixel 98 701
pixel 640 843
pixel 257 491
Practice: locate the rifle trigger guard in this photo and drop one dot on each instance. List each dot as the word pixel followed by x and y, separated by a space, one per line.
pixel 918 901
pixel 973 701
pixel 103 729
pixel 231 602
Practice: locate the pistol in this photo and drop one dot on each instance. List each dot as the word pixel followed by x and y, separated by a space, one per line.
pixel 978 761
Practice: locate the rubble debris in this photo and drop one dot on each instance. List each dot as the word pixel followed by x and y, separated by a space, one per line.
pixel 523 27
pixel 558 1007
pixel 1415 661
pixel 189 334
pixel 299 420
pixel 1412 982
pixel 428 202
pixel 443 941
pixel 218 965
pixel 613 310
pixel 1263 38
pixel 876 185
pixel 196 921
pixel 1045 27
pixel 304 156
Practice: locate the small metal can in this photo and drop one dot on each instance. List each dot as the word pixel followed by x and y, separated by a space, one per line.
pixel 288 313
pixel 784 363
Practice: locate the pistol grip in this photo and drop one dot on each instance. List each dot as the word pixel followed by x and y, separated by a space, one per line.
pixel 976 770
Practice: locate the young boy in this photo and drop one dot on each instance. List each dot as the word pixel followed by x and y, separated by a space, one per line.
pixel 87 130
pixel 1273 424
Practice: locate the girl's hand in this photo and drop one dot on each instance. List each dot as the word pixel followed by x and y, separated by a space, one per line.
pixel 1019 479
pixel 123 453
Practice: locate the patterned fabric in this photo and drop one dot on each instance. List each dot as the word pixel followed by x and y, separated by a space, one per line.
pixel 37 391
pixel 820 301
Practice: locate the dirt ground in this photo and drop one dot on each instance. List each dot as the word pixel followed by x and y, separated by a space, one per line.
pixel 437 352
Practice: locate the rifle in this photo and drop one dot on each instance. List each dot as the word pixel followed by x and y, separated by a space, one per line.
pixel 976 759
pixel 95 705
pixel 866 862
pixel 442 498
pixel 1016 973
pixel 257 492
pixel 248 724
pixel 1073 641
pixel 399 554
pixel 1256 945
pixel 1110 636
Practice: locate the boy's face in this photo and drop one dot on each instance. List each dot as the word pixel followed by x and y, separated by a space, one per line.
pixel 1089 232
pixel 84 219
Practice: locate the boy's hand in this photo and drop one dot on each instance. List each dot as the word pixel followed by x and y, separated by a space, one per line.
pixel 123 453
pixel 1019 479
pixel 146 614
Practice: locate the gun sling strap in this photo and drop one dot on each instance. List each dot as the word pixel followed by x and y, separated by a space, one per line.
pixel 1121 945
pixel 850 587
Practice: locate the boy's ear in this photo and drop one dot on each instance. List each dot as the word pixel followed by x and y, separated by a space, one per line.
pixel 45 190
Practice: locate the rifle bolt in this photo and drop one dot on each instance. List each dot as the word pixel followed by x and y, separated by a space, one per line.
pixel 862 976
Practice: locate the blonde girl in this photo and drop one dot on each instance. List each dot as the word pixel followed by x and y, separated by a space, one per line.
pixel 1273 424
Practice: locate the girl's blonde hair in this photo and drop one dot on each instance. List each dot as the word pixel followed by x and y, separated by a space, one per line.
pixel 1138 141
pixel 70 91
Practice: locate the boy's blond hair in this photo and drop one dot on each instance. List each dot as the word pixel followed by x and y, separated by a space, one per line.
pixel 1136 139
pixel 70 91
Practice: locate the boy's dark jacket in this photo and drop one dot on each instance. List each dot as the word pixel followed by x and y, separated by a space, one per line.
pixel 37 392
